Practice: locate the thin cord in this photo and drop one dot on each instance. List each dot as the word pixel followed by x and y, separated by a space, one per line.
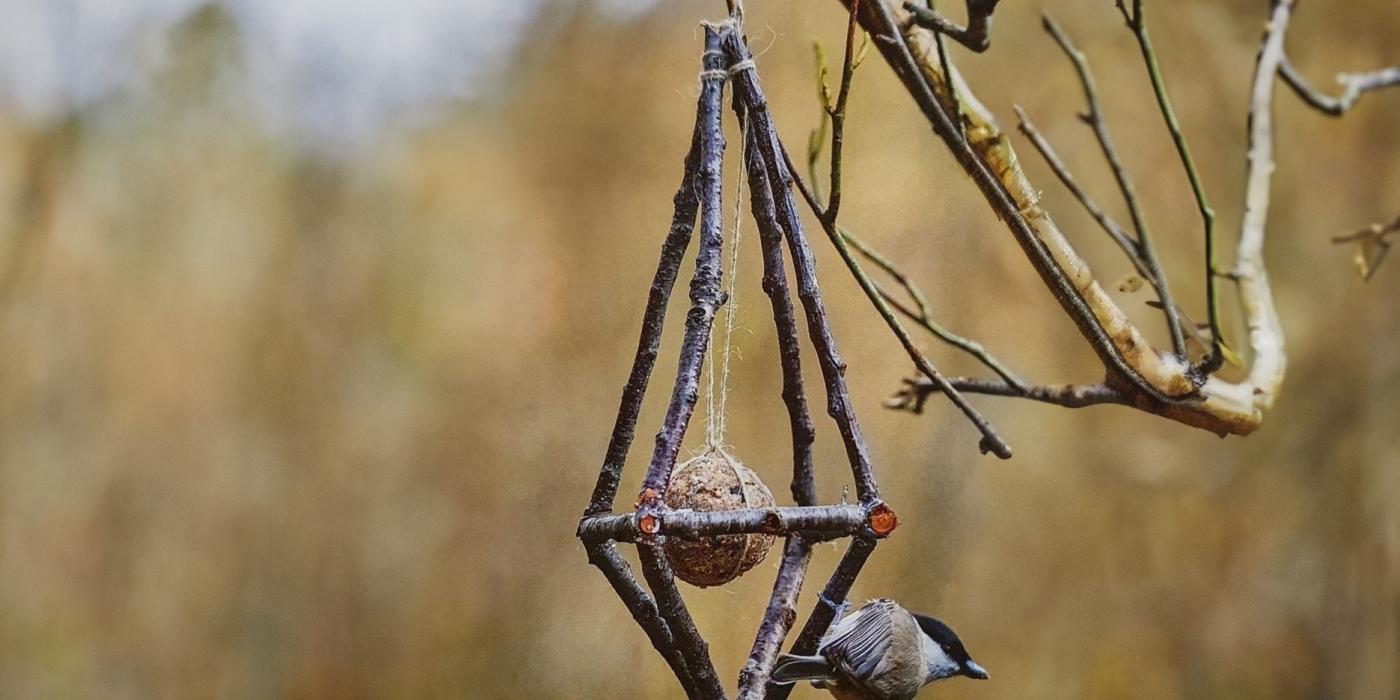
pixel 732 292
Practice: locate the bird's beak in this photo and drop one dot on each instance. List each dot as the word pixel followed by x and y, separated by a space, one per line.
pixel 972 670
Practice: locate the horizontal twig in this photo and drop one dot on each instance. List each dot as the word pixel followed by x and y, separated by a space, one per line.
pixel 917 390
pixel 818 522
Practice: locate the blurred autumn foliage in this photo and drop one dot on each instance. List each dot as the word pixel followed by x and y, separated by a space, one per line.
pixel 288 421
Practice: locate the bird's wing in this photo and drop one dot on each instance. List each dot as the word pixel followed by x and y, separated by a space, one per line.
pixel 860 642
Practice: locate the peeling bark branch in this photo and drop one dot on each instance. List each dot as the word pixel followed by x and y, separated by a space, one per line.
pixel 1150 381
pixel 1252 278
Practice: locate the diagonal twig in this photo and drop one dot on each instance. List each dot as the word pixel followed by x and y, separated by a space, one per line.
pixel 778 619
pixel 829 603
pixel 1143 246
pixel 839 404
pixel 672 250
pixel 615 569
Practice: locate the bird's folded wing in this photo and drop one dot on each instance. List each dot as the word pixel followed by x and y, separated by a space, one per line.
pixel 859 643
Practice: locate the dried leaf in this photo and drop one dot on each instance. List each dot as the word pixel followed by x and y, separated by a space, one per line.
pixel 1369 255
pixel 1230 356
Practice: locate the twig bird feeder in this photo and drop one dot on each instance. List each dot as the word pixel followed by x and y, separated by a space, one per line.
pixel 687 512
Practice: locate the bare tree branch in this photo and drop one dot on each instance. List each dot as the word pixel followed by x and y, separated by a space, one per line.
pixel 976 35
pixel 917 390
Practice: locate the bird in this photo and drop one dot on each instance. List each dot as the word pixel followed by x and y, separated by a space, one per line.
pixel 881 652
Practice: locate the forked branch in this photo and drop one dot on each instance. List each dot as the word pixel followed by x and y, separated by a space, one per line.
pixel 976 35
pixel 1354 85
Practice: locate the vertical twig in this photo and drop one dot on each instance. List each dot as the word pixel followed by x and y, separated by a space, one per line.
pixel 1265 330
pixel 954 106
pixel 781 611
pixel 1138 25
pixel 705 292
pixel 991 442
pixel 838 115
pixel 789 343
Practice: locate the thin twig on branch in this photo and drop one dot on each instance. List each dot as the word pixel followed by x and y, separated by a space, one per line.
pixel 1354 85
pixel 1138 24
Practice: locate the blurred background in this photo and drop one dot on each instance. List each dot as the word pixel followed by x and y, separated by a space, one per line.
pixel 315 317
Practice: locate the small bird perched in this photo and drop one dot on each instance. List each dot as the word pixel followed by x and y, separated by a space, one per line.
pixel 881 652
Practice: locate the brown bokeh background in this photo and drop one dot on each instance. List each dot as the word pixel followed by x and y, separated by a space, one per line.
pixel 281 423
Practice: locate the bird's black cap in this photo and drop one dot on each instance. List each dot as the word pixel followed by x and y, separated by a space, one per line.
pixel 946 638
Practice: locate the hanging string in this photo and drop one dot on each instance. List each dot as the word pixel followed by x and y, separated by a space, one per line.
pixel 715 403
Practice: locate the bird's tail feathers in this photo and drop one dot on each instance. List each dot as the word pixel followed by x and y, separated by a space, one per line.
pixel 791 669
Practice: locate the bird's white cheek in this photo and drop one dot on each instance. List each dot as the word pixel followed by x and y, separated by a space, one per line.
pixel 937 664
